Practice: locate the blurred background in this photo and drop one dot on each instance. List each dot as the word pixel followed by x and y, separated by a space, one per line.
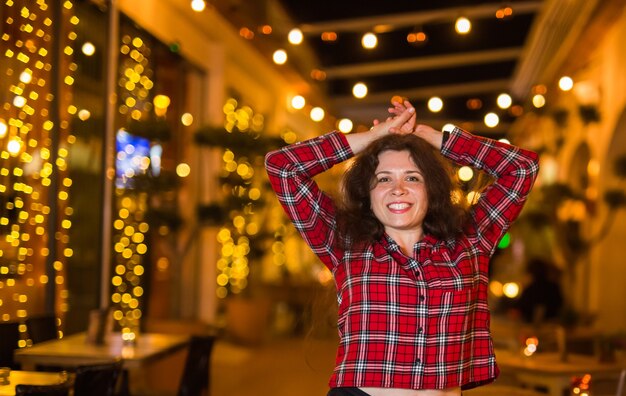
pixel 132 137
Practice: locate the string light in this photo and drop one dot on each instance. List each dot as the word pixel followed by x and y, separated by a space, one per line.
pixel 295 36
pixel 369 41
pixel 29 161
pixel 359 90
pixel 435 104
pixel 462 25
pixel 280 57
pixel 198 5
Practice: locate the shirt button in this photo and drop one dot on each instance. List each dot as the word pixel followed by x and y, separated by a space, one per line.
pixel 420 330
pixel 422 297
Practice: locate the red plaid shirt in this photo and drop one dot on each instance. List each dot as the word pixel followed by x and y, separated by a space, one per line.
pixel 419 322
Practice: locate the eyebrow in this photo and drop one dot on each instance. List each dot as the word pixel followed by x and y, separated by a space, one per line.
pixel 406 172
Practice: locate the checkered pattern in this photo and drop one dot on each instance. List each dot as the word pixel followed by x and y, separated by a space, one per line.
pixel 418 322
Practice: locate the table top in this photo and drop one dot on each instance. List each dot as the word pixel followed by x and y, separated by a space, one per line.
pixel 551 364
pixel 31 378
pixel 74 350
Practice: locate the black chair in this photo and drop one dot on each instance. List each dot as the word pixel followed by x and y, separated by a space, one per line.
pixel 42 390
pixel 9 342
pixel 42 328
pixel 97 380
pixel 195 379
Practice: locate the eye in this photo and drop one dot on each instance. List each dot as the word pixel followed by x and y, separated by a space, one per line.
pixel 414 178
pixel 383 179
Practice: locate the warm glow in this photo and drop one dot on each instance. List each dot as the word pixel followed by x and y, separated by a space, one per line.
pixel 26 76
pixel 359 90
pixel 183 170
pixel 161 103
pixel 369 41
pixel 510 289
pixel 463 25
pixel 435 104
pixel 504 101
pixel 317 114
pixel 198 5
pixel 298 102
pixel 465 173
pixel 566 83
pixel 186 119
pixel 3 128
pixel 492 120
pixel 280 57
pixel 539 101
pixel 345 125
pixel 496 288
pixel 295 36
pixel 88 49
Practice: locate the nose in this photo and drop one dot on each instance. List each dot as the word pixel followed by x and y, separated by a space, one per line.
pixel 398 188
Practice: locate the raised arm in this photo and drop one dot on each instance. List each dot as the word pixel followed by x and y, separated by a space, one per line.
pixel 514 170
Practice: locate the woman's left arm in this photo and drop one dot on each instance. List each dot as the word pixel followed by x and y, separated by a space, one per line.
pixel 514 170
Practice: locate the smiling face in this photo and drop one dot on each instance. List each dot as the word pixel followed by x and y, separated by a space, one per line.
pixel 399 198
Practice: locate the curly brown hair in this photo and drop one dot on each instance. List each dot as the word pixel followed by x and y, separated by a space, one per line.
pixel 356 221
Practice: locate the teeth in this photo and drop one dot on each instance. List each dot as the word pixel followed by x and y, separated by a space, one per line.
pixel 398 206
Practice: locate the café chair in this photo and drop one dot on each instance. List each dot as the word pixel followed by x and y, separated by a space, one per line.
pixel 9 342
pixel 195 378
pixel 97 380
pixel 42 390
pixel 42 328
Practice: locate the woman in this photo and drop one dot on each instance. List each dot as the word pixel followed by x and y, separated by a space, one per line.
pixel 409 267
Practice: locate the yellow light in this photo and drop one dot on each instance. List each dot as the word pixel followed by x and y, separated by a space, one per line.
pixel 183 170
pixel 186 119
pixel 298 102
pixel 345 125
pixel 26 76
pixel 463 25
pixel 88 48
pixel 510 289
pixel 496 288
pixel 3 128
pixel 504 101
pixel 566 83
pixel 317 114
pixel 19 101
pixel 14 146
pixel 198 5
pixel 359 90
pixel 369 41
pixel 435 104
pixel 295 36
pixel 539 101
pixel 465 173
pixel 492 120
pixel 279 57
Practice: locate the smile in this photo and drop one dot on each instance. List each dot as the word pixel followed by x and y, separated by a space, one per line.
pixel 399 206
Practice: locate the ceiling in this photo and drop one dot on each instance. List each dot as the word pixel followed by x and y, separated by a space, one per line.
pixel 458 68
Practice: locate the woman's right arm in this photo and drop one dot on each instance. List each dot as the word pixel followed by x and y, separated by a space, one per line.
pixel 291 171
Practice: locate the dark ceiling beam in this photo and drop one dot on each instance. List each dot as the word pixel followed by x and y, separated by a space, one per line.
pixel 422 63
pixel 451 90
pixel 397 21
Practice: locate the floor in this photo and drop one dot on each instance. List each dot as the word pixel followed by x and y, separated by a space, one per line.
pixel 277 367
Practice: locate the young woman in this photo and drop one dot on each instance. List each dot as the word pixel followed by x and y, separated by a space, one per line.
pixel 410 266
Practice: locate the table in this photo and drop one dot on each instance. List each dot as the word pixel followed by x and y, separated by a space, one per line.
pixel 31 378
pixel 73 350
pixel 549 371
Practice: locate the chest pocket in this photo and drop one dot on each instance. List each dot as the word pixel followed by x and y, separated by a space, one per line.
pixel 445 275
